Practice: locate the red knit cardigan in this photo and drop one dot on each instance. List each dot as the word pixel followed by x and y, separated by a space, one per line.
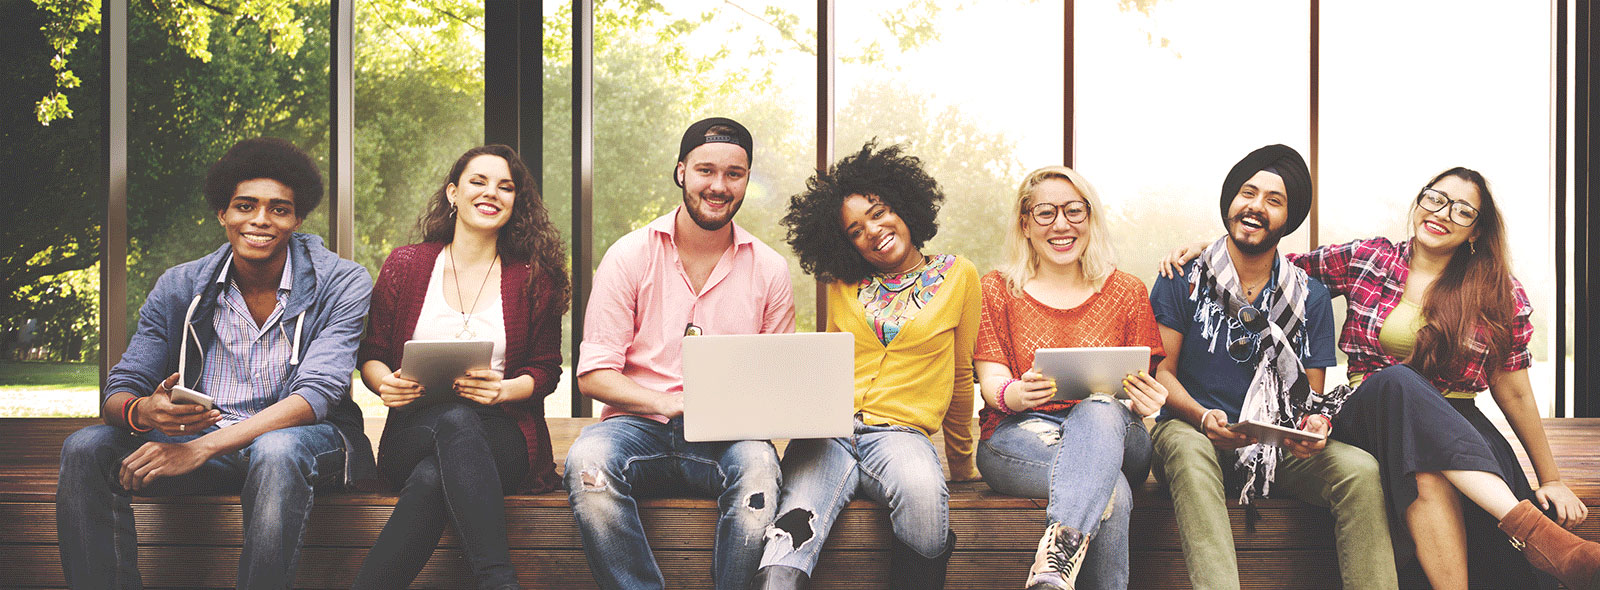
pixel 533 342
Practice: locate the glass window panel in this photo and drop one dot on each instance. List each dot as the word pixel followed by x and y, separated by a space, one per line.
pixel 907 73
pixel 418 106
pixel 557 170
pixel 200 80
pixel 55 201
pixel 1170 95
pixel 1410 95
pixel 661 68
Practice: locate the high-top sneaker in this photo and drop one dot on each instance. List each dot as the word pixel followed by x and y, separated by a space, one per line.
pixel 1058 559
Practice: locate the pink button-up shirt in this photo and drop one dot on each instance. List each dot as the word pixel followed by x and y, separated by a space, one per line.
pixel 642 301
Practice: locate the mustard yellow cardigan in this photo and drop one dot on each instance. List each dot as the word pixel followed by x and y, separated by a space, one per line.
pixel 924 376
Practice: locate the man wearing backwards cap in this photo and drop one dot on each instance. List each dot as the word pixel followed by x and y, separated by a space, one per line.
pixel 690 271
pixel 1248 336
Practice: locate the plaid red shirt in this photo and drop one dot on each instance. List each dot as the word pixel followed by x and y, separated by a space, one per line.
pixel 1371 275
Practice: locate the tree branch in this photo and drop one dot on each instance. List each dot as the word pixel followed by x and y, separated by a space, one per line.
pixel 215 8
pixel 458 17
pixel 33 273
pixel 787 36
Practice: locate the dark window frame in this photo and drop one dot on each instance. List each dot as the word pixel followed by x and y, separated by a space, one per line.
pixel 513 115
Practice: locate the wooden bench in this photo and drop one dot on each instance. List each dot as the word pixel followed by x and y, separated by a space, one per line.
pixel 1291 546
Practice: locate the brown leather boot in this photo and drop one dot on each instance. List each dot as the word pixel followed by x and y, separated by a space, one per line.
pixel 1549 547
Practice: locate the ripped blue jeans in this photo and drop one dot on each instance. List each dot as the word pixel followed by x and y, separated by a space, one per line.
pixel 627 457
pixel 1081 459
pixel 893 465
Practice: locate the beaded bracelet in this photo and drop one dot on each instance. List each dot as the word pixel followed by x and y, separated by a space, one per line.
pixel 1005 409
pixel 1306 421
pixel 127 414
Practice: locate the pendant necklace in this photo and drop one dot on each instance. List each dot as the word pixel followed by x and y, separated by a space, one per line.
pixel 466 332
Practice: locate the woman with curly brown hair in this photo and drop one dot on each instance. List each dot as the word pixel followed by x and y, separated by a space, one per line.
pixel 490 267
pixel 859 229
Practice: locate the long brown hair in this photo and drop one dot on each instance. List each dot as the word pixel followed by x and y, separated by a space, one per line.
pixel 528 234
pixel 1472 298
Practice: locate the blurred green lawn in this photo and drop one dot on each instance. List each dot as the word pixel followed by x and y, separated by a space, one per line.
pixel 32 389
pixel 48 389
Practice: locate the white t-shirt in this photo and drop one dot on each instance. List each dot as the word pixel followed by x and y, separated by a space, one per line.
pixel 439 322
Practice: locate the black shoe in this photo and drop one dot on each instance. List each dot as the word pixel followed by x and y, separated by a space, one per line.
pixel 909 570
pixel 780 577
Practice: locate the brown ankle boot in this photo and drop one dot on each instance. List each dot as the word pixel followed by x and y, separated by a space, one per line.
pixel 1551 548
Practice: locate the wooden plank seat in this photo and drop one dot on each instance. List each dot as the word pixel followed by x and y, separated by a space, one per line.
pixel 1291 546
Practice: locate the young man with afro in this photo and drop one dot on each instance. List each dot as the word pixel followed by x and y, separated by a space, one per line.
pixel 266 326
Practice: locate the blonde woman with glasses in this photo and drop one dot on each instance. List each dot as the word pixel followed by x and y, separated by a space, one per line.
pixel 1059 288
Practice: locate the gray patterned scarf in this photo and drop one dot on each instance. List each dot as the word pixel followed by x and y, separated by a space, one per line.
pixel 1279 392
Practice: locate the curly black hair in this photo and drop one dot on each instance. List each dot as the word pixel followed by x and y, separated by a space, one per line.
pixel 265 157
pixel 889 175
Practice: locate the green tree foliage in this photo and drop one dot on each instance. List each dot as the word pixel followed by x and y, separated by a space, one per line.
pixel 204 75
pixel 418 106
pixel 53 201
pixel 66 21
pixel 201 78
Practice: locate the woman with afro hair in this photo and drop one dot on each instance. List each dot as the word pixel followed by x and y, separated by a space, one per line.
pixel 859 228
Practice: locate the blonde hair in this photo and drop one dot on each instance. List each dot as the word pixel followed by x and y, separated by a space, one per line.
pixel 1022 262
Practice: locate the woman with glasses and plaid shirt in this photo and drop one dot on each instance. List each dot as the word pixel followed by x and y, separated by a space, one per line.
pixel 1058 288
pixel 1432 322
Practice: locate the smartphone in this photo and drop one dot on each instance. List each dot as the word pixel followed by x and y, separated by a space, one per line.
pixel 184 395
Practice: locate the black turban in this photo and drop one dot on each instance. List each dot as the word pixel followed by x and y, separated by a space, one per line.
pixel 695 136
pixel 1285 162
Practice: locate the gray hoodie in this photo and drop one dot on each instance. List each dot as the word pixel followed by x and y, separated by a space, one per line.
pixel 324 314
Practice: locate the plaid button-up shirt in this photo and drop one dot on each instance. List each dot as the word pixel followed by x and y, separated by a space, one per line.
pixel 1371 275
pixel 246 363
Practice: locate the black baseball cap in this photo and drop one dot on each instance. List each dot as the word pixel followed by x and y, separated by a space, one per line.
pixel 695 136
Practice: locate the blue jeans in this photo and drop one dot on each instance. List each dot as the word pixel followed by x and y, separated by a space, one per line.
pixel 453 462
pixel 614 461
pixel 274 478
pixel 892 465
pixel 1081 459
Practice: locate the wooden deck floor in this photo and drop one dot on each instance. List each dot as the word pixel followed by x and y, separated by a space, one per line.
pixel 1291 546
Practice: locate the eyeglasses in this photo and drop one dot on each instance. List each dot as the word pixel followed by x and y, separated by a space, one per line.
pixel 1045 213
pixel 1241 349
pixel 1461 213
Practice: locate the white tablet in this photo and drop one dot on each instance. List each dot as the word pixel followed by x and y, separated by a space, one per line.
pixel 1081 372
pixel 437 363
pixel 1273 434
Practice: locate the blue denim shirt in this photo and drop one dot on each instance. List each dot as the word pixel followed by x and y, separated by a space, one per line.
pixel 330 292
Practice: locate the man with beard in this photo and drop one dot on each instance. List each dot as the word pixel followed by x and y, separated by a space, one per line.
pixel 1248 336
pixel 692 271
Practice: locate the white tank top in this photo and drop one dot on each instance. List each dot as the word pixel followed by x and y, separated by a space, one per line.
pixel 439 322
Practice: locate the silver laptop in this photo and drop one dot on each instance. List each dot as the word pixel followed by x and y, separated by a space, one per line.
pixel 1080 372
pixel 767 386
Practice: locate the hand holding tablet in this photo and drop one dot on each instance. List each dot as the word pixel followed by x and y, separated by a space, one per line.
pixel 1278 435
pixel 1081 372
pixel 434 365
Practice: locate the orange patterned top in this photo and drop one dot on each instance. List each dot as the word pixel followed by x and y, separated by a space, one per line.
pixel 1013 327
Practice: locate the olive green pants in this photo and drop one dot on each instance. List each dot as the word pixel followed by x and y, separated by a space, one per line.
pixel 1341 478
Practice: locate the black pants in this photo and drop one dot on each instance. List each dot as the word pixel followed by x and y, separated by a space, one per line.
pixel 1409 427
pixel 453 461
